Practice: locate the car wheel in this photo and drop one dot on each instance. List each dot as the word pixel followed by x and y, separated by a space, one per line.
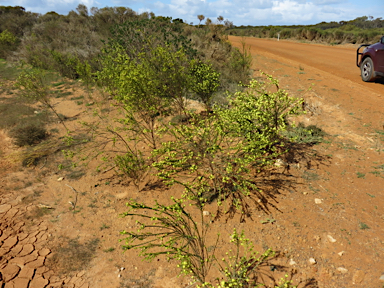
pixel 367 70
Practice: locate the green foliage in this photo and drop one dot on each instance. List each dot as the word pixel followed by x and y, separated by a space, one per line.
pixel 218 157
pixel 260 114
pixel 360 30
pixel 310 134
pixel 65 64
pixel 8 71
pixel 148 83
pixel 241 61
pixel 208 162
pixel 132 165
pixel 239 267
pixel 171 232
pixel 7 37
pixel 136 36
pixel 33 85
pixel 204 81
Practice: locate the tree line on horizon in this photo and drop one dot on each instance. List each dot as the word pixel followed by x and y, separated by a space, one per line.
pixel 365 29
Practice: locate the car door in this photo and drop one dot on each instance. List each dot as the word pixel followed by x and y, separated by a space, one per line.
pixel 380 56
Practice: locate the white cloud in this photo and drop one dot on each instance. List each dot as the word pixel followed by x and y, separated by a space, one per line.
pixel 292 11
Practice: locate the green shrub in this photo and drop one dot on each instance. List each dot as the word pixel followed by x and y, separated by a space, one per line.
pixel 132 165
pixel 217 157
pixel 177 236
pixel 310 134
pixel 204 81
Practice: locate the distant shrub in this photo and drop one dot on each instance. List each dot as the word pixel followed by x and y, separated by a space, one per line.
pixel 28 135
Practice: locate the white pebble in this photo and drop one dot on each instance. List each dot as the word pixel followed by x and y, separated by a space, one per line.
pixel 342 270
pixel 318 201
pixel 292 262
pixel 331 239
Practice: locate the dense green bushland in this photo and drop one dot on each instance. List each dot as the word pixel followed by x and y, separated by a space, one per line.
pixel 14 22
pixel 71 44
pixel 360 30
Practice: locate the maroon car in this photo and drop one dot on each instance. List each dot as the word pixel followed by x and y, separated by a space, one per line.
pixel 371 60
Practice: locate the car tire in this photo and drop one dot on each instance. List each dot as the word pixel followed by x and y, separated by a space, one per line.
pixel 367 70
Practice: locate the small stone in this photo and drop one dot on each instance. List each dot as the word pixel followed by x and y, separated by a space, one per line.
pixel 342 270
pixel 60 179
pixel 122 268
pixel 341 253
pixel 280 163
pixel 292 262
pixel 43 206
pixel 122 195
pixel 118 276
pixel 318 201
pixel 358 277
pixel 381 278
pixel 206 213
pixel 312 261
pixel 305 193
pixel 331 239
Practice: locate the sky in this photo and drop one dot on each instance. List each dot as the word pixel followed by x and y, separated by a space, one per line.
pixel 240 12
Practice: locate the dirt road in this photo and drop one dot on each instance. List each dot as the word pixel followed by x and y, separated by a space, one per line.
pixel 339 62
pixel 330 67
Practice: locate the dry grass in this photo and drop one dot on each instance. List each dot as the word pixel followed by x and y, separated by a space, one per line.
pixel 73 256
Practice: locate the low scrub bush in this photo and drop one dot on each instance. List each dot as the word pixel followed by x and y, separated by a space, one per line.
pixel 218 157
pixel 29 134
pixel 310 134
pixel 172 232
